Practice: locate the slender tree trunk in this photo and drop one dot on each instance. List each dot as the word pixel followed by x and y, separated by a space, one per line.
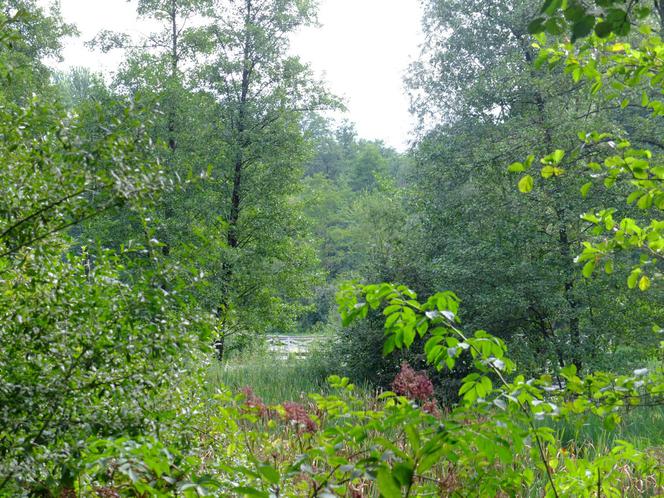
pixel 171 123
pixel 172 144
pixel 564 243
pixel 232 239
pixel 574 329
pixel 659 8
pixel 236 196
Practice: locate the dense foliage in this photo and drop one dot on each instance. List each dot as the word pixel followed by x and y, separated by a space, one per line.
pixel 154 227
pixel 92 342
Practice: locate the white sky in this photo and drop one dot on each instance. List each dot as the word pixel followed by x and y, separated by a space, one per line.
pixel 362 50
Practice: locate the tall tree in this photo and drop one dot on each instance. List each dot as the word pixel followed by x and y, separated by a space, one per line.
pixel 37 35
pixel 481 101
pixel 167 51
pixel 263 94
pixel 234 103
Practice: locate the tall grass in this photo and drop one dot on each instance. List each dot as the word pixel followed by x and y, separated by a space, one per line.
pixel 641 426
pixel 272 378
pixel 277 379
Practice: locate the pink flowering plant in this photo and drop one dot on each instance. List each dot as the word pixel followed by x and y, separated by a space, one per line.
pixel 414 385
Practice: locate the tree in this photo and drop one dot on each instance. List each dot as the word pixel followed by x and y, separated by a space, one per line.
pixel 512 259
pixel 157 72
pixel 633 70
pixel 262 95
pixel 90 346
pixel 168 51
pixel 30 36
pixel 615 163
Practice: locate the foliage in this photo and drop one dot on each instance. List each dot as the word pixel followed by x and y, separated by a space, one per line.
pixel 520 401
pixel 108 286
pixel 601 17
pixel 510 257
pixel 273 379
pixel 29 35
pixel 91 345
pixel 139 467
pixel 340 444
pixel 617 70
pixel 228 100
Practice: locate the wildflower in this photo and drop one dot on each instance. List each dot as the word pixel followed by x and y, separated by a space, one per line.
pixel 254 402
pixel 296 413
pixel 414 385
pixel 431 407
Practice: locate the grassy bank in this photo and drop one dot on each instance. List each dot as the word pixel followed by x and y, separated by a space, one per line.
pixel 272 378
pixel 643 427
pixel 276 379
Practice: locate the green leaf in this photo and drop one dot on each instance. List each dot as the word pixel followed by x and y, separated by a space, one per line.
pixel 550 6
pixel 526 184
pixel 547 172
pixel 644 283
pixel 487 385
pixel 391 309
pixel 387 484
pixel 588 269
pixel 516 167
pixel 391 319
pixel 633 196
pixel 585 189
pixel 554 26
pixel 408 336
pixel 246 491
pixel 403 473
pixel 583 27
pixel 389 345
pixel 465 387
pixel 611 422
pixel 645 202
pixel 414 439
pixel 422 328
pixel 633 278
pixel 270 473
pixel 644 99
pixel 603 29
pixel 536 26
pixel 608 267
pixel 574 12
pixel 568 371
pixel 658 172
pixel 618 21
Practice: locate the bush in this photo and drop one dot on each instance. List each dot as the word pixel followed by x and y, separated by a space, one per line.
pixel 357 353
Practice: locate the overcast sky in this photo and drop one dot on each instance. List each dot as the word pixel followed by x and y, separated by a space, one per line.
pixel 362 50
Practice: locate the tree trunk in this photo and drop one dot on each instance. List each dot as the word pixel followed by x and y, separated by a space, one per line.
pixel 659 8
pixel 172 144
pixel 236 196
pixel 564 243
